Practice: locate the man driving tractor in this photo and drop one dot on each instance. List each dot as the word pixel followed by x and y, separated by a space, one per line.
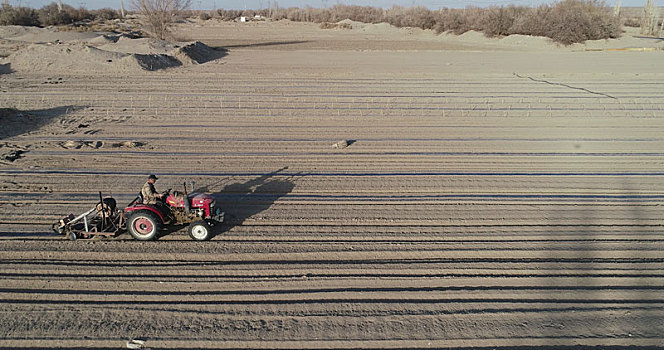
pixel 146 215
pixel 148 191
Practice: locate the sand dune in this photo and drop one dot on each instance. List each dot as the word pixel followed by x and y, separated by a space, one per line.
pixel 126 55
pixel 47 50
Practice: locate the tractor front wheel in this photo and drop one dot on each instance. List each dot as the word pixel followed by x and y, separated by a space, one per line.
pixel 200 231
pixel 144 225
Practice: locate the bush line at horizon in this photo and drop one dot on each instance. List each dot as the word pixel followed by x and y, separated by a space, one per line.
pixel 52 15
pixel 566 22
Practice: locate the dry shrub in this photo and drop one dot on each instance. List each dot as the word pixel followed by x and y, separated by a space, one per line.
pixel 50 15
pixel 232 15
pixel 631 22
pixel 160 15
pixel 416 17
pixel 533 22
pixel 649 19
pixel 337 13
pixel 204 16
pixel 328 25
pixel 299 15
pixel 78 14
pixel 105 14
pixel 499 21
pixel 53 15
pixel 364 14
pixel 575 21
pixel 249 13
pixel 20 16
pixel 567 22
pixel 420 17
pixel 310 15
pixel 451 20
pixel 229 15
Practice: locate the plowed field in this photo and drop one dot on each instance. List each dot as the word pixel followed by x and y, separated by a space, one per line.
pixel 492 199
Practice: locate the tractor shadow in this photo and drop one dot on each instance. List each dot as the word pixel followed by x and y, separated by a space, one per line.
pixel 225 47
pixel 243 200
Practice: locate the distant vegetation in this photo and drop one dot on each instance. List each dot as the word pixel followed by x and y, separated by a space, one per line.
pixel 566 22
pixel 52 15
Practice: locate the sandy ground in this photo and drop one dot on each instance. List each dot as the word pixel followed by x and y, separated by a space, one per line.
pixel 496 195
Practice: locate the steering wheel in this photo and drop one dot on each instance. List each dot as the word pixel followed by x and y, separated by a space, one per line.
pixel 164 195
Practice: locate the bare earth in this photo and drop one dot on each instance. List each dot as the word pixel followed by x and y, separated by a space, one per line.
pixel 500 193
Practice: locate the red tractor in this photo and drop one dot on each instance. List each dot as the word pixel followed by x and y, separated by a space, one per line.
pixel 198 210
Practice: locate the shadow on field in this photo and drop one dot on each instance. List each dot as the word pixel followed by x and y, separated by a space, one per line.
pixel 15 122
pixel 5 68
pixel 207 55
pixel 648 37
pixel 243 200
pixel 264 44
pixel 599 272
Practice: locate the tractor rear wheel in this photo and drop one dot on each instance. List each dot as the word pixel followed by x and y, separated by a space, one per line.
pixel 200 231
pixel 143 225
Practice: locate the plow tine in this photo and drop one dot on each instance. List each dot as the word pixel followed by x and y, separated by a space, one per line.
pixel 103 212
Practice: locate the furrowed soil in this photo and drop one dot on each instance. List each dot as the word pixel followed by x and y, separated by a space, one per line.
pixel 490 197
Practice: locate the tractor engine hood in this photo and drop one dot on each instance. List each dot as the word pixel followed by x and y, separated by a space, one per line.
pixel 197 200
pixel 201 200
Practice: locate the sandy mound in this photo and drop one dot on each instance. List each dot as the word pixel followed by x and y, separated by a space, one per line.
pixel 624 42
pixel 80 57
pixel 125 55
pixel 531 42
pixel 353 24
pixel 10 32
pixel 380 28
pixel 42 35
pixel 186 53
pixel 65 57
pixel 415 31
pixel 105 39
pixel 53 51
pixel 145 46
pixel 473 36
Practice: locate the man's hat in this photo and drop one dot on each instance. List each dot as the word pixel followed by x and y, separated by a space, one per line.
pixel 152 176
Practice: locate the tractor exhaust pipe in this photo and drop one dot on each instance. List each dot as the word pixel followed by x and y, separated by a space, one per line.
pixel 187 205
